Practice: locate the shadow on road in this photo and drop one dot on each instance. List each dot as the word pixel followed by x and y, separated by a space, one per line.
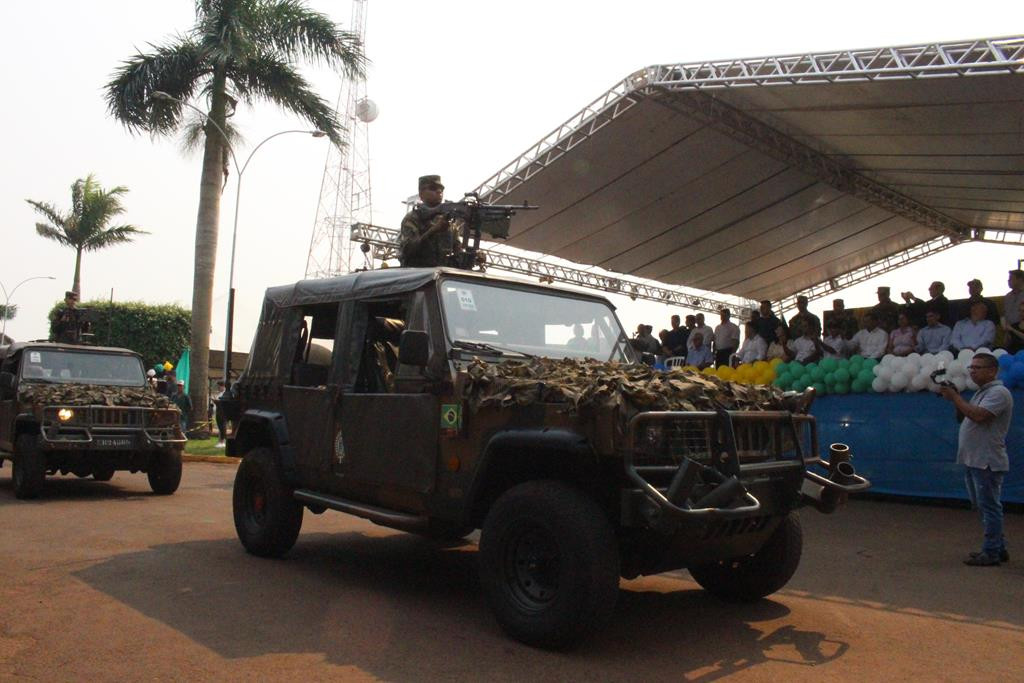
pixel 72 488
pixel 398 606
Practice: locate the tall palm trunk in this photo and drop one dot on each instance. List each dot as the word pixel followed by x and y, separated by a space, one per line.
pixel 206 256
pixel 76 286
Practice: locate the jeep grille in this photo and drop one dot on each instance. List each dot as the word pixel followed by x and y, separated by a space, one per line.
pixel 667 442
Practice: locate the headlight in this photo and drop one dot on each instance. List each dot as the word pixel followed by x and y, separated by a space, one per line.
pixel 65 414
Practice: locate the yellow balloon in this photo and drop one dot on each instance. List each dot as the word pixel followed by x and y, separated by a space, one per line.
pixel 168 366
pixel 774 362
pixel 725 372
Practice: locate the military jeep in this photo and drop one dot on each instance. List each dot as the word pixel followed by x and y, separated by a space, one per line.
pixel 440 401
pixel 84 410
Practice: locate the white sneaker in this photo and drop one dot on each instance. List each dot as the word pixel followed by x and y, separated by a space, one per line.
pixel 220 444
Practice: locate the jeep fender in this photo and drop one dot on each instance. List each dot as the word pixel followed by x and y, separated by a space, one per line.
pixel 266 428
pixel 515 456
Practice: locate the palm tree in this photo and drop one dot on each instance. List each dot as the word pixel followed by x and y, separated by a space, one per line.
pixel 84 227
pixel 237 50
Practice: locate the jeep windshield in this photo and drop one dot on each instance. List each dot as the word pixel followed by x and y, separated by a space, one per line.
pixel 487 319
pixel 81 367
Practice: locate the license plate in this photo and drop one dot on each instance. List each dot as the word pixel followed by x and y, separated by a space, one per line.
pixel 115 442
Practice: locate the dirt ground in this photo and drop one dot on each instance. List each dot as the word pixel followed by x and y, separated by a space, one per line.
pixel 109 582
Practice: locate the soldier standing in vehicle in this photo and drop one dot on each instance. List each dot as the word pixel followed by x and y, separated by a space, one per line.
pixel 426 239
pixel 67 327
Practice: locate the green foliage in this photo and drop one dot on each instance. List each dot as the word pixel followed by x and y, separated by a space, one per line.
pixel 157 333
pixel 8 312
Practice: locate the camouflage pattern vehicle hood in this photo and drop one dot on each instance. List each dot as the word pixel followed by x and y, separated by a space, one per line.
pixel 91 395
pixel 582 385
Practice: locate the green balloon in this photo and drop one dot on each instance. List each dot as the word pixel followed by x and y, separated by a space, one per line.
pixel 796 370
pixel 781 368
pixel 799 384
pixel 820 389
pixel 865 375
pixel 842 388
pixel 818 374
pixel 844 364
pixel 869 363
pixel 842 377
pixel 828 364
pixel 858 386
pixel 781 382
pixel 830 378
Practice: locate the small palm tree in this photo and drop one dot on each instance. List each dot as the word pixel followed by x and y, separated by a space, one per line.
pixel 85 226
pixel 238 50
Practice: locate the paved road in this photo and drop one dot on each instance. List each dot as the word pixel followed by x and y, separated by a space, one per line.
pixel 108 582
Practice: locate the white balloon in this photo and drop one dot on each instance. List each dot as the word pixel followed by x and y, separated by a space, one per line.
pixel 965 356
pixel 956 369
pixel 971 385
pixel 898 382
pixel 960 382
pixel 919 383
pixel 880 384
pixel 876 370
pixel 999 353
pixel 933 386
pixel 944 356
pixel 984 350
pixel 885 373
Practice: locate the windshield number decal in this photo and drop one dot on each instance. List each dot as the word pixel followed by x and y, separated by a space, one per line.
pixel 466 302
pixel 34 357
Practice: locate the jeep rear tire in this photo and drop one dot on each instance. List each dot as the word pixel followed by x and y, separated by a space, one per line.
pixel 103 472
pixel 267 517
pixel 164 472
pixel 549 564
pixel 29 467
pixel 754 576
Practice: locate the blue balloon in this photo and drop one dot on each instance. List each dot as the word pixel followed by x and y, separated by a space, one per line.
pixel 1017 373
pixel 1019 355
pixel 1006 360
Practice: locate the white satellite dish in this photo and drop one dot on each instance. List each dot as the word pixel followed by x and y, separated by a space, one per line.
pixel 366 110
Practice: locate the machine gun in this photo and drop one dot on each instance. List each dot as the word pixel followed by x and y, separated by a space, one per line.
pixel 476 218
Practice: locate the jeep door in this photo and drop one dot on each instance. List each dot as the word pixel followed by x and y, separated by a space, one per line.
pixel 8 403
pixel 386 426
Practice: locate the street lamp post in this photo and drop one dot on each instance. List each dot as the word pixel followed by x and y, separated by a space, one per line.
pixel 7 302
pixel 228 333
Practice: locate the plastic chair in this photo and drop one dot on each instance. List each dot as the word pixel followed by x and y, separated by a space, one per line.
pixel 675 362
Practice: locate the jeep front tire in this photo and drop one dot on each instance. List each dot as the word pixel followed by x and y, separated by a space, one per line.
pixel 164 472
pixel 267 517
pixel 549 564
pixel 29 467
pixel 752 577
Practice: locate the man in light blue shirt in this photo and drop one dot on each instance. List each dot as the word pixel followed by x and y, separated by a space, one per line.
pixel 699 355
pixel 974 332
pixel 981 449
pixel 934 336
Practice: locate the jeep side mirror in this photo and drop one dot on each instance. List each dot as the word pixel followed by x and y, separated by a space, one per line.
pixel 6 382
pixel 414 348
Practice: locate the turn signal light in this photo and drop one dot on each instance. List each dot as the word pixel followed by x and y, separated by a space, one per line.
pixel 65 414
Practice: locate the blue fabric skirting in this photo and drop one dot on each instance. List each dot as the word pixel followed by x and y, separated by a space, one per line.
pixel 906 443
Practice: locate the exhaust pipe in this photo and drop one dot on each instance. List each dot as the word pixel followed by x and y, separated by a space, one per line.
pixel 825 499
pixel 723 494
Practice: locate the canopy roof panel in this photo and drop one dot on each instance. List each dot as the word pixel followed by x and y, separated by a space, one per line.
pixel 760 178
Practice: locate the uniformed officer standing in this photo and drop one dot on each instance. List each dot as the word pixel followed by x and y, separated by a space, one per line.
pixel 67 327
pixel 426 237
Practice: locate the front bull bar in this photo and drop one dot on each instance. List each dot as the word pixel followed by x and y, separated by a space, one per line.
pixel 823 493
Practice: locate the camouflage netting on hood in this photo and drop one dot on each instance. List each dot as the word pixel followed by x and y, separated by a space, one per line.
pixel 586 384
pixel 92 395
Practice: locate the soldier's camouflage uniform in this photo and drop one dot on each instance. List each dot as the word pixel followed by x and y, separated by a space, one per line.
pixel 415 251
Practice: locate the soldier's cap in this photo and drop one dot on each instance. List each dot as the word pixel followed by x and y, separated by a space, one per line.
pixel 975 281
pixel 426 180
pixel 883 290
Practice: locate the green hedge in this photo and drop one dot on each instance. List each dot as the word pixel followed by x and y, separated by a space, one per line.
pixel 157 333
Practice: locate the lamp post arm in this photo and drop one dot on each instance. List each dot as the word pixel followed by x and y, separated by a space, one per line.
pixel 7 300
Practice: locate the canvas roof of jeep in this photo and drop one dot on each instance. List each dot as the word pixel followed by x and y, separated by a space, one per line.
pixel 10 349
pixel 385 282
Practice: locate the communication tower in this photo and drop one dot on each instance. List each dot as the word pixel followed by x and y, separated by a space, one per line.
pixel 345 189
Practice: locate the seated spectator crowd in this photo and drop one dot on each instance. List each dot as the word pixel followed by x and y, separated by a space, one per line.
pixel 921 326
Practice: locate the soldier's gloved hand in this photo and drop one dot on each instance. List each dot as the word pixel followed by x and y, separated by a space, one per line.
pixel 438 223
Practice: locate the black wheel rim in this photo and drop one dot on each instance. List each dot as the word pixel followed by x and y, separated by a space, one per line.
pixel 255 501
pixel 531 567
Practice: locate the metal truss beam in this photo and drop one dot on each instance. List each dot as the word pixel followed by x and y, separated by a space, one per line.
pixel 964 58
pixel 991 236
pixel 769 140
pixel 383 243
pixel 898 260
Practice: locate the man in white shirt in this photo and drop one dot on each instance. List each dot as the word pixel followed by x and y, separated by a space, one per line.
pixel 727 339
pixel 870 341
pixel 806 348
pixel 1011 309
pixel 700 355
pixel 834 345
pixel 754 347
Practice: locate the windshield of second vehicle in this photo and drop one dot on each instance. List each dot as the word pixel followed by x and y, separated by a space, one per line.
pixel 531 322
pixel 75 367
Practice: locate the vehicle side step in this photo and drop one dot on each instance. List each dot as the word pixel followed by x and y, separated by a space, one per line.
pixel 388 518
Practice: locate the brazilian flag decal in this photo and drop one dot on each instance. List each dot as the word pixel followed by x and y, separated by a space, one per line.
pixel 451 417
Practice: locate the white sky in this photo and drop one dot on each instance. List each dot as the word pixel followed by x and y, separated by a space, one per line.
pixel 463 88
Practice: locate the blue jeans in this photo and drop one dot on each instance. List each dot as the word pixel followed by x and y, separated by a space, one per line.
pixel 984 488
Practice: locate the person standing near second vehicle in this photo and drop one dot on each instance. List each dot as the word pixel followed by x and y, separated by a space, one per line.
pixel 1011 309
pixel 180 398
pixel 981 449
pixel 803 319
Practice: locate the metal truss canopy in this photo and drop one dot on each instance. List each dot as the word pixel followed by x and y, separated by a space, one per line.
pixel 768 177
pixel 383 242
